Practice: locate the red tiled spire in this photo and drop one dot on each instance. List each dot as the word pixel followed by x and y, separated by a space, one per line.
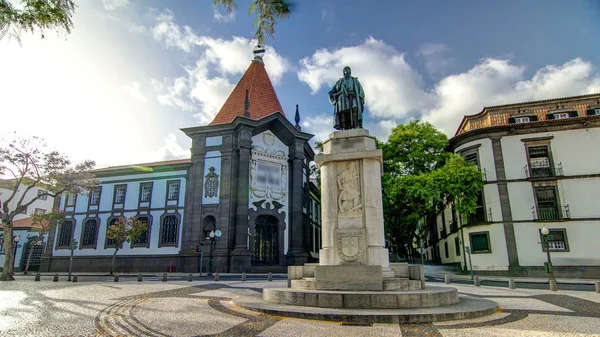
pixel 261 96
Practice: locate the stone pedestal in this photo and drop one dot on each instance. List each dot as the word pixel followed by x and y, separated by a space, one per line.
pixel 351 200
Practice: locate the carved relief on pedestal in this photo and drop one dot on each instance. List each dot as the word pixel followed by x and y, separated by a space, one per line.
pixel 348 183
pixel 350 244
pixel 211 183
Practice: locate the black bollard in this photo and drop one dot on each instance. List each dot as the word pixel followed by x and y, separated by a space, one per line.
pixel 139 277
pixel 216 276
pixel 55 278
pixel 164 279
pixel 74 278
pixel 244 277
pixel 270 277
pixel 37 277
pixel 190 277
pixel 116 278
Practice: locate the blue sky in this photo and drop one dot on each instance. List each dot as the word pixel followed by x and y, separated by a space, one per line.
pixel 132 73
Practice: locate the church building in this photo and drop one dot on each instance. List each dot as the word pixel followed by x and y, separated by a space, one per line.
pixel 247 185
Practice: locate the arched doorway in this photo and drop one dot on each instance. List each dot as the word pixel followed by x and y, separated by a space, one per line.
pixel 266 243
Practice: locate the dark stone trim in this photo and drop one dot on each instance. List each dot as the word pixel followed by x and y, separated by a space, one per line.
pixel 146 183
pixel 534 139
pixel 509 230
pixel 59 232
pixel 99 188
pixel 469 148
pixel 488 251
pixel 178 181
pixel 160 233
pixel 281 226
pixel 150 225
pixel 83 225
pixel 178 208
pixel 114 199
pixel 143 179
pixel 579 176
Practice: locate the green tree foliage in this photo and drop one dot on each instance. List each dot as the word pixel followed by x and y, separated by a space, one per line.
pixel 30 15
pixel 421 177
pixel 28 165
pixel 267 14
pixel 43 224
pixel 124 230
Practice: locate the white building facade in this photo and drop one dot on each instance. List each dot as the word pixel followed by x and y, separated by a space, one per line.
pixel 541 167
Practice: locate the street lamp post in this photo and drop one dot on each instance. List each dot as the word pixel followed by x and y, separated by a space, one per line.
pixel 72 247
pixel 213 236
pixel 546 244
pixel 16 241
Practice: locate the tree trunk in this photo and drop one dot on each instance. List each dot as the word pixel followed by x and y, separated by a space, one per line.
pixel 112 266
pixel 9 258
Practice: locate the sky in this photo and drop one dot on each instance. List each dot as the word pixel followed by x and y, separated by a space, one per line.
pixel 118 89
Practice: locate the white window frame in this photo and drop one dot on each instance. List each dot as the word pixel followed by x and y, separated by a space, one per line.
pixel 120 197
pixel 147 193
pixel 44 196
pixel 561 115
pixel 95 196
pixel 39 211
pixel 520 120
pixel 173 190
pixel 71 199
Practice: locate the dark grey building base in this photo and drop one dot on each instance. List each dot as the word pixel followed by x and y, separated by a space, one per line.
pixel 467 308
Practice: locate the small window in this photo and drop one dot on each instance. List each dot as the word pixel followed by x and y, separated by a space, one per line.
pixel 142 241
pixel 596 111
pixel 120 194
pixel 42 195
pixel 146 192
pixel 557 240
pixel 23 210
pixel 168 235
pixel 447 251
pixel 173 192
pixel 519 120
pixel 561 115
pixel 39 211
pixel 95 196
pixel 110 243
pixel 1 243
pixel 480 242
pixel 457 246
pixel 90 233
pixel 65 233
pixel 71 199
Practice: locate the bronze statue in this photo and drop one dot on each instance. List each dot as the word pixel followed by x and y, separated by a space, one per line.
pixel 348 98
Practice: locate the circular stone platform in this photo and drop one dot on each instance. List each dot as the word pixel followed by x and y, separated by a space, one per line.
pixel 425 298
pixel 468 307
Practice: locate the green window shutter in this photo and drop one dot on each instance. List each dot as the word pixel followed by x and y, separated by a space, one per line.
pixel 573 113
pixel 511 120
pixel 533 118
pixel 549 116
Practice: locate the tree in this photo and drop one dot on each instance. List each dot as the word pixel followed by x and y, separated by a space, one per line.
pixel 267 12
pixel 43 224
pixel 35 14
pixel 30 166
pixel 124 230
pixel 421 178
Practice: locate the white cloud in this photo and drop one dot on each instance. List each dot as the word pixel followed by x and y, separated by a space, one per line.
pixel 172 150
pixel 393 89
pixel 112 5
pixel 319 125
pixel 434 58
pixel 198 90
pixel 134 90
pixel 495 81
pixel 78 102
pixel 223 17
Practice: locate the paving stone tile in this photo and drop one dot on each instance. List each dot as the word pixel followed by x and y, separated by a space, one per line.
pixel 309 328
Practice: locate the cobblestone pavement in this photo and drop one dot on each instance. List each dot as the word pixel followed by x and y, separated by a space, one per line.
pixel 46 308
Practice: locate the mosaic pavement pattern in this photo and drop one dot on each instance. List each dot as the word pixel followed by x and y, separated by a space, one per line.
pixel 45 308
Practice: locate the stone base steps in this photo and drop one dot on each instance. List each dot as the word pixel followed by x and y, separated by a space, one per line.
pixel 389 284
pixel 431 297
pixel 468 307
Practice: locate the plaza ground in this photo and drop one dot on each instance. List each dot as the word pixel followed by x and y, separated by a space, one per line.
pixel 205 308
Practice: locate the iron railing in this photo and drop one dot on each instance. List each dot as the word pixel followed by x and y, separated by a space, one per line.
pixel 551 213
pixel 544 172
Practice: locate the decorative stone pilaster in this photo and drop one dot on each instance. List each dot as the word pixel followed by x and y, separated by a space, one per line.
pixel 296 254
pixel 241 255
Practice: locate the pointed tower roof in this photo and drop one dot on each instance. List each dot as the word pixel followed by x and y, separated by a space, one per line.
pixel 253 96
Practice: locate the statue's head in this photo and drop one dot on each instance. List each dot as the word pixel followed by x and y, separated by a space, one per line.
pixel 347 71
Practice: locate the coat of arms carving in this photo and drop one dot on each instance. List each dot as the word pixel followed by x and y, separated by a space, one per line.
pixel 350 245
pixel 211 183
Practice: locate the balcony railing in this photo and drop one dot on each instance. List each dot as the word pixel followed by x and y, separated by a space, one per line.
pixel 551 213
pixel 480 216
pixel 544 172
